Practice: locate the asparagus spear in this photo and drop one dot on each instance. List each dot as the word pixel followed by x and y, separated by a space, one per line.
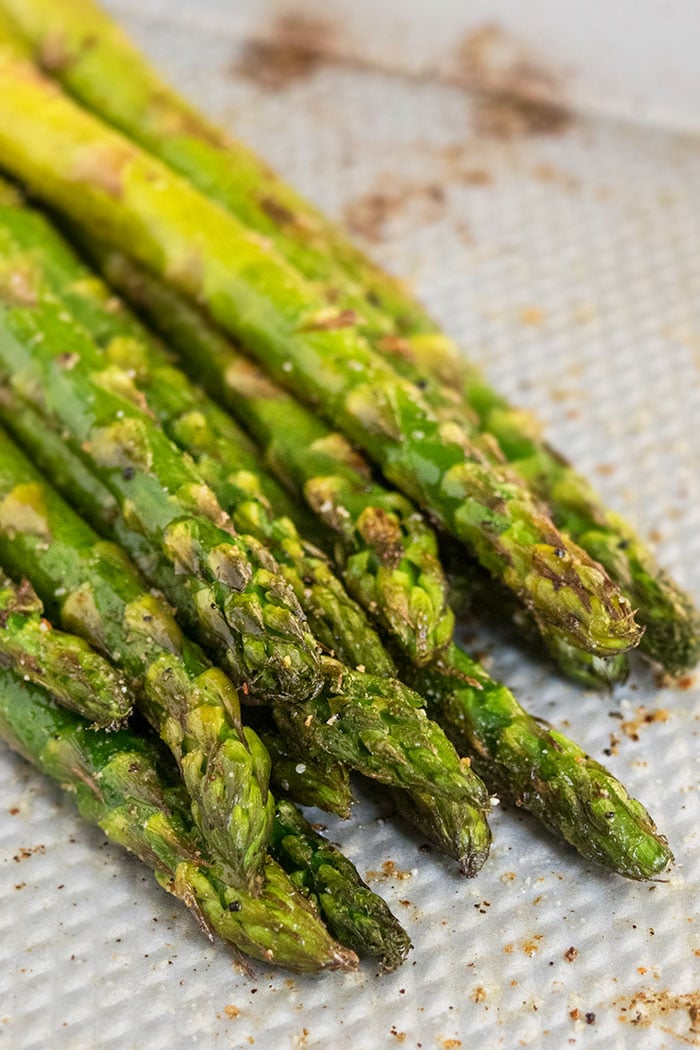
pixel 134 201
pixel 377 726
pixel 64 664
pixel 454 822
pixel 223 454
pixel 309 782
pixel 538 768
pixel 225 461
pixel 444 827
pixel 271 650
pixel 82 46
pixel 386 551
pixel 472 589
pixel 302 726
pixel 88 586
pixel 320 464
pixel 311 721
pixel 324 469
pixel 151 112
pixel 304 779
pixel 668 615
pixel 353 913
pixel 175 403
pixel 295 723
pixel 671 620
pixel 117 782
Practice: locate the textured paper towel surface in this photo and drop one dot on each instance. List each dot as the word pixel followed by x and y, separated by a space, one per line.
pixel 569 265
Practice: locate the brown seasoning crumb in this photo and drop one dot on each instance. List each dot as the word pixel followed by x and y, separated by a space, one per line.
pixel 643 717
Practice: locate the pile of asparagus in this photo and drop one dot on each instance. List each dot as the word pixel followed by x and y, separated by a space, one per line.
pixel 269 479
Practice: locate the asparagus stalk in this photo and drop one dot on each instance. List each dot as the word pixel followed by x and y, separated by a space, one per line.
pixel 137 203
pixel 213 440
pixel 65 665
pixel 667 613
pixel 82 46
pixel 302 727
pixel 384 548
pixel 118 782
pixel 87 52
pixel 90 588
pixel 304 779
pixel 472 589
pixel 461 696
pixel 444 827
pixel 376 726
pixel 50 360
pixel 446 824
pixel 311 723
pixel 331 477
pixel 153 114
pixel 223 454
pixel 536 767
pixel 309 775
pixel 315 714
pixel 355 915
pixel 309 782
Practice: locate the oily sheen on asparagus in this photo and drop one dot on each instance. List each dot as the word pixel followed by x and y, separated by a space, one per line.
pixel 224 455
pixel 89 587
pixel 139 807
pixel 535 766
pixel 65 665
pixel 295 722
pixel 134 201
pixel 385 549
pixel 379 536
pixel 79 43
pixel 375 725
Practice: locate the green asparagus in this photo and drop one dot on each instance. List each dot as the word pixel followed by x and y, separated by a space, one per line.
pixel 135 202
pixel 538 768
pixel 223 454
pixel 386 551
pixel 29 236
pixel 471 589
pixel 333 479
pixel 671 621
pixel 118 783
pixel 147 109
pixel 89 587
pixel 375 725
pixel 309 782
pixel 444 827
pixel 65 665
pixel 355 915
pixel 50 361
pixel 304 779
pixel 81 45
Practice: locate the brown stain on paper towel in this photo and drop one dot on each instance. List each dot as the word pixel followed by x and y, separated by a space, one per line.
pixel 289 50
pixel 515 94
pixel 675 1015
